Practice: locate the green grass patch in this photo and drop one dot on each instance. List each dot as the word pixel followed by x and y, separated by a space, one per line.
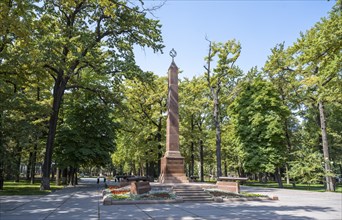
pixel 121 197
pixel 227 194
pixel 312 187
pixel 25 188
pixel 246 194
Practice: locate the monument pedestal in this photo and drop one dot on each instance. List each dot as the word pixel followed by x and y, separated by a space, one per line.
pixel 172 170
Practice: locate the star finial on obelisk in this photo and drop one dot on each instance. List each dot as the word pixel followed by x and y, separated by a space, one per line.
pixel 173 54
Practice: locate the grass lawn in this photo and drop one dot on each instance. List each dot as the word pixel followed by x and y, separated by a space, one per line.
pixel 313 187
pixel 25 188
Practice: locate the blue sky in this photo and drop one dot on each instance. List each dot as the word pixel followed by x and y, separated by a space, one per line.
pixel 258 25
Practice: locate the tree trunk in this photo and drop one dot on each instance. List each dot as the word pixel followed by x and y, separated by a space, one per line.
pixel 329 181
pixel 159 138
pixel 64 176
pixel 287 174
pixel 33 162
pixel 192 162
pixel 201 161
pixel 264 178
pixel 133 168
pixel 71 176
pixel 160 155
pixel 58 93
pixel 53 168
pixel 187 168
pixel 147 169
pixel 91 172
pixel 218 134
pixel 58 173
pixel 225 168
pixel 277 176
pixel 215 94
pixel 68 176
pixel 28 170
pixel 240 171
pixel 289 149
pixel 151 171
pixel 2 152
pixel 76 180
pixel 1 175
pixel 18 161
pixel 259 177
pixel 35 148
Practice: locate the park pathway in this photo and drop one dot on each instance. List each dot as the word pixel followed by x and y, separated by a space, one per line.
pixel 84 202
pixel 81 202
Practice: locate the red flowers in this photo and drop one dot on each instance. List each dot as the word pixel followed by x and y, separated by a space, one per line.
pixel 116 190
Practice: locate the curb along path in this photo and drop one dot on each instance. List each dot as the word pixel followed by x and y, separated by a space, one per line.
pixel 85 202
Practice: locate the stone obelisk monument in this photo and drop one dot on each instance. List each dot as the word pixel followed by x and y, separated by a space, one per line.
pixel 172 164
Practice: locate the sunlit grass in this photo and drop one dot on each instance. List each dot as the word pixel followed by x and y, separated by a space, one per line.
pixel 312 187
pixel 24 187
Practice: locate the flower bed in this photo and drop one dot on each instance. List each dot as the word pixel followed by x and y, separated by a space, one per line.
pixel 155 195
pixel 117 190
pixel 226 194
pixel 121 195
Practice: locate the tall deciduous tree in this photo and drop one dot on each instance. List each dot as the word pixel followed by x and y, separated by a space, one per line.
pixel 87 134
pixel 257 113
pixel 223 73
pixel 73 35
pixel 278 72
pixel 142 133
pixel 16 25
pixel 318 62
pixel 194 116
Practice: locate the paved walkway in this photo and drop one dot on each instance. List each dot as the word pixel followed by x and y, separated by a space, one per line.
pixel 84 202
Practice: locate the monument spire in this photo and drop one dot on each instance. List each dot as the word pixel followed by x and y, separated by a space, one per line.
pixel 173 54
pixel 172 164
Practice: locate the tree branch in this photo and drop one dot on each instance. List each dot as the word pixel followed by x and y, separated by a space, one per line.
pixel 53 76
pixel 145 113
pixel 83 87
pixel 51 68
pixel 60 9
pixel 8 73
pixel 288 69
pixel 96 91
pixel 78 8
pixel 80 68
pixel 14 85
pixel 328 79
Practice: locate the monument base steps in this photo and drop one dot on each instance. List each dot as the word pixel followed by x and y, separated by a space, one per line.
pixel 192 193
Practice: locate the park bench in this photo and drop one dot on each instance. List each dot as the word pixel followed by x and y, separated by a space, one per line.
pixel 231 184
pixel 136 178
pixel 120 178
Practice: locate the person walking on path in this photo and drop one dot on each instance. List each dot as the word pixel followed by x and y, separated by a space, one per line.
pixel 98 180
pixel 104 181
